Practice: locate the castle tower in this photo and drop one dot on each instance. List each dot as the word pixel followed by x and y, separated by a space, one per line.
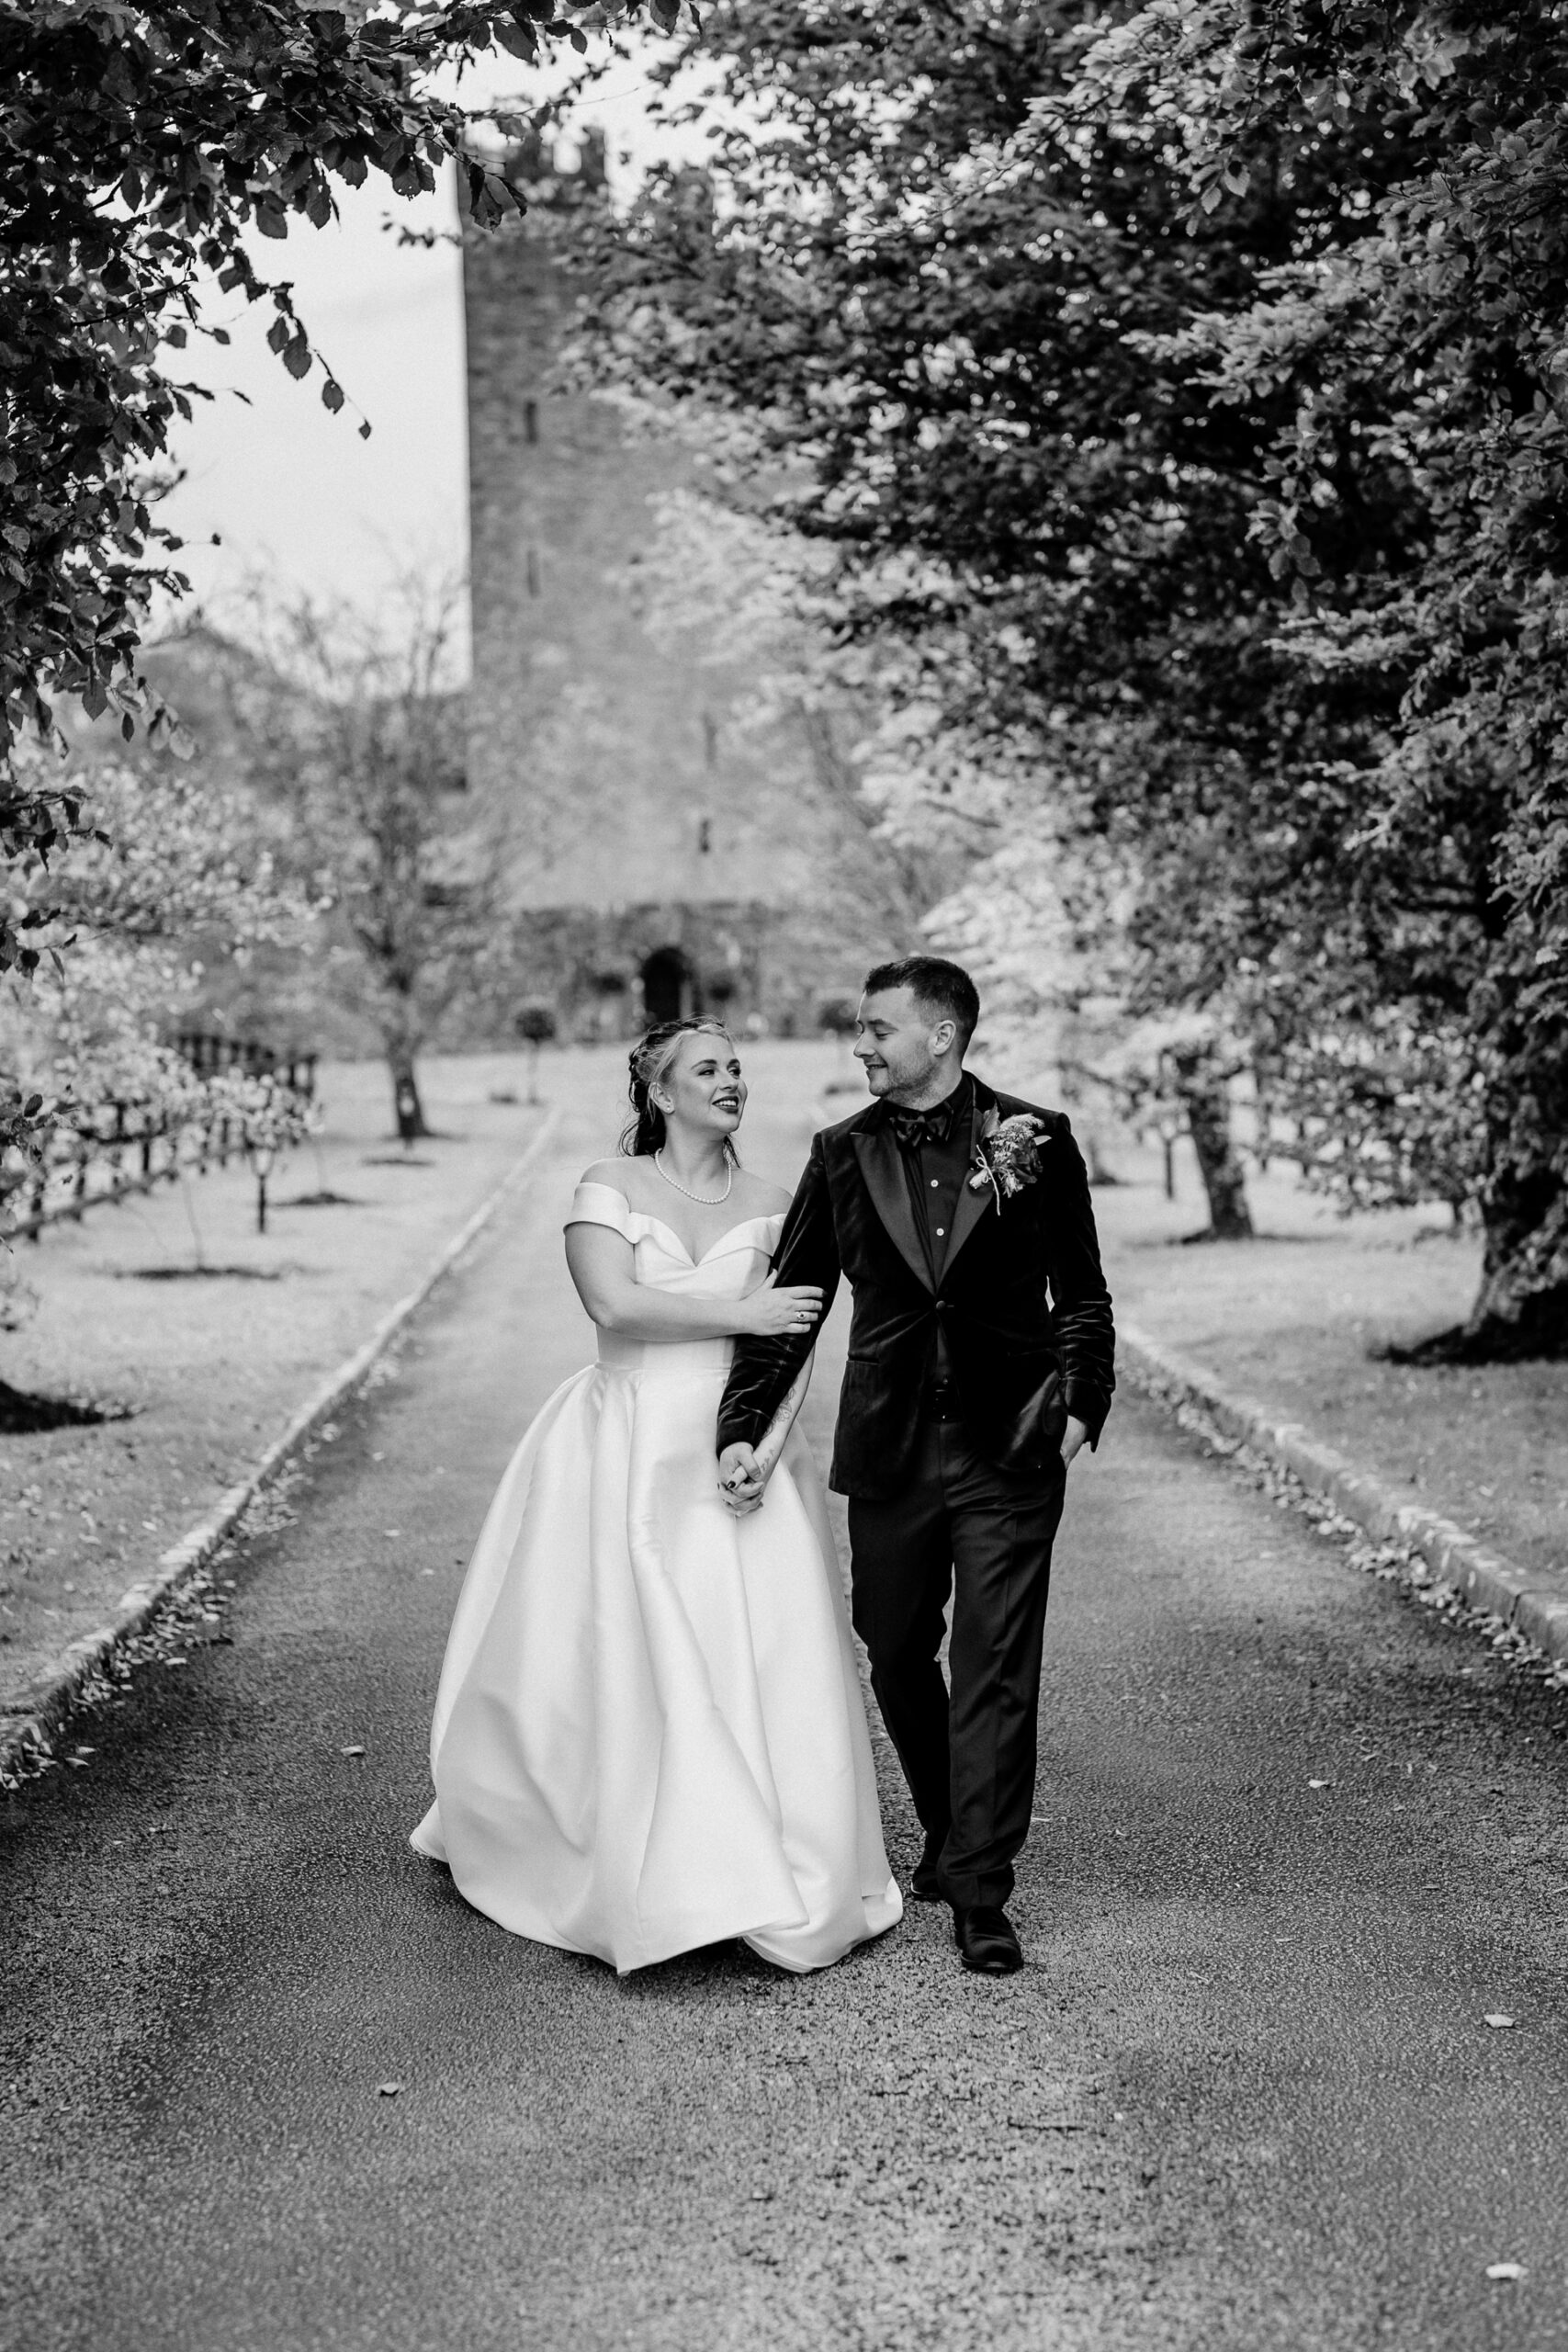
pixel 668 864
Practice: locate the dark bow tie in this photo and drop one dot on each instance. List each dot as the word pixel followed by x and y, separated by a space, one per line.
pixel 914 1129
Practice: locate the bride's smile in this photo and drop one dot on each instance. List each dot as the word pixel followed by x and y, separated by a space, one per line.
pixel 703 1092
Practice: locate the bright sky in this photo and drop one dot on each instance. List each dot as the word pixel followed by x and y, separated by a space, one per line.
pixel 294 493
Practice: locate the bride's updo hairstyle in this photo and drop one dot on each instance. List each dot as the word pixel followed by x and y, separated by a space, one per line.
pixel 647 1061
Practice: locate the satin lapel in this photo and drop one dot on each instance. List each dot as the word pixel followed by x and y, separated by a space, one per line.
pixel 882 1165
pixel 972 1206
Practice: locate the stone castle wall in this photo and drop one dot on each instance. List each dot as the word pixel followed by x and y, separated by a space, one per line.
pixel 665 861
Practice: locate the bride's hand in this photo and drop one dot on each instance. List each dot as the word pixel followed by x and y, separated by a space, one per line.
pixel 740 1481
pixel 771 1313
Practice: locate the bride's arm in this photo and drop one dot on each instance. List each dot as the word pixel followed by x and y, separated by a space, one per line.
pixel 601 1266
pixel 747 1495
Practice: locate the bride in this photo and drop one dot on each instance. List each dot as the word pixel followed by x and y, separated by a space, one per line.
pixel 650 1733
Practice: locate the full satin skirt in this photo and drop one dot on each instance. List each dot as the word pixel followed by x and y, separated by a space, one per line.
pixel 650 1733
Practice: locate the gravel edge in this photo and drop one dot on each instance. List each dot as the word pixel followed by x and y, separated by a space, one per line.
pixel 31 1719
pixel 1530 1604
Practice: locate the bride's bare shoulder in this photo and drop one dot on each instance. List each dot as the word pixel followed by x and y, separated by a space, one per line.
pixel 763 1199
pixel 612 1172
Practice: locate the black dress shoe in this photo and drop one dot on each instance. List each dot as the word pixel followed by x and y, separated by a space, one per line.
pixel 985 1940
pixel 923 1885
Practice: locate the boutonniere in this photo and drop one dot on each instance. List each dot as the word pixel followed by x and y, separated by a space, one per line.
pixel 1007 1155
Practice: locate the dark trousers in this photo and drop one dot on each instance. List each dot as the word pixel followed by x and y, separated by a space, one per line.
pixel 961 1525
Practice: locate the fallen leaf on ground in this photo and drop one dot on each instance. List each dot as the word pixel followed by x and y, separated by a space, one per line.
pixel 1505 2270
pixel 351 1751
pixel 390 2090
pixel 1498 2018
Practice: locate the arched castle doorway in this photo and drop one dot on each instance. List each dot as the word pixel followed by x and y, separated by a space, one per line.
pixel 669 986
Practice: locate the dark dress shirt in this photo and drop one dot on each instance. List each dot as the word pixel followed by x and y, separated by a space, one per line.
pixel 934 1170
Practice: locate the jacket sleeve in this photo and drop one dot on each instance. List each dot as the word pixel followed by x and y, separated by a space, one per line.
pixel 763 1370
pixel 1082 1319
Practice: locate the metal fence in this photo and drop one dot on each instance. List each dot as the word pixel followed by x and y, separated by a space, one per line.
pixel 114 1149
pixel 209 1054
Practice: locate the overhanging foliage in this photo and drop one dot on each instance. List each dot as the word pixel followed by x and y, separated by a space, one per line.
pixel 1204 375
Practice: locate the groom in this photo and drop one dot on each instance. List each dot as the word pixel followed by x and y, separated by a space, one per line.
pixel 979 1361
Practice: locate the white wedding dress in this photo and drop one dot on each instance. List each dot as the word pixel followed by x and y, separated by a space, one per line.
pixel 650 1733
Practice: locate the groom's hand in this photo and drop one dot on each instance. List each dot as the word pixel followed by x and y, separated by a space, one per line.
pixel 1073 1436
pixel 740 1481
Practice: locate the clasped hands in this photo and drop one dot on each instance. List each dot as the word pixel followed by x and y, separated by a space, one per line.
pixel 742 1479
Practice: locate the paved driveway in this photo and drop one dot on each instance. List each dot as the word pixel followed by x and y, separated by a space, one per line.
pixel 1241 2096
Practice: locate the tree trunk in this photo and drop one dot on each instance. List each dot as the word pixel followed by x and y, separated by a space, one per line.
pixel 1516 1316
pixel 907 886
pixel 408 1110
pixel 1208 1110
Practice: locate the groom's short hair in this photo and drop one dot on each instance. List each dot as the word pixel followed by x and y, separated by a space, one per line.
pixel 937 986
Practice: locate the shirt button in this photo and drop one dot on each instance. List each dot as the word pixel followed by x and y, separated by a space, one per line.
pixel 934 1183
pixel 940 1231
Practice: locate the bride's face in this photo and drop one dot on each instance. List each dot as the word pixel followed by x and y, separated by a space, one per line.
pixel 703 1090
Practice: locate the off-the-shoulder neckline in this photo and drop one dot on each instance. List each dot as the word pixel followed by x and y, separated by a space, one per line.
pixel 592 1185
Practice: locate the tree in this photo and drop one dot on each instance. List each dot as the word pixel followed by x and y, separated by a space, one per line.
pixel 535 1023
pixel 1040 918
pixel 1415 396
pixel 1205 379
pixel 141 148
pixel 357 744
pixel 169 880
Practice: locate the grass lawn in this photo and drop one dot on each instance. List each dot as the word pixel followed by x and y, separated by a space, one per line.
pixel 1293 1320
pixel 212 1365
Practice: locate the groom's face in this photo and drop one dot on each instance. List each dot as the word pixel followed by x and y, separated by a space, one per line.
pixel 901 1044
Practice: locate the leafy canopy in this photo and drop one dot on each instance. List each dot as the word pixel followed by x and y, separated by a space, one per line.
pixel 1201 374
pixel 140 147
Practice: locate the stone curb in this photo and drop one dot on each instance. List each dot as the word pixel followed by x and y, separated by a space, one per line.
pixel 1535 1606
pixel 29 1721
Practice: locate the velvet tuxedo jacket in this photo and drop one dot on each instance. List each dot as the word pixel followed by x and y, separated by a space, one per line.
pixel 1021 1299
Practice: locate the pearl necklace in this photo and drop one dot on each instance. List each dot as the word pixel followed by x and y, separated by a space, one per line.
pixel 709 1200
